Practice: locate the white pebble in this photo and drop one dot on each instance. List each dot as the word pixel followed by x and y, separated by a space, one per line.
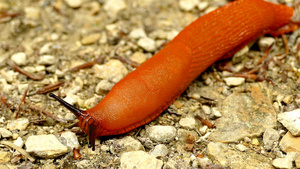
pixel 19 58
pixel 159 151
pixel 46 60
pixel 234 81
pixel 74 3
pixel 113 70
pixel 291 120
pixel 139 159
pixel 71 140
pixel 161 134
pixel 147 44
pixel 113 7
pixel 137 33
pixel 188 5
pixel 188 122
pixel 45 146
pixel 18 124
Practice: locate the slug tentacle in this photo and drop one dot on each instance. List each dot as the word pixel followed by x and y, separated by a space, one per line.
pixel 86 122
pixel 74 110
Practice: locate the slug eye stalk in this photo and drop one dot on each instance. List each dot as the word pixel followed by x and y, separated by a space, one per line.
pixel 74 110
pixel 86 122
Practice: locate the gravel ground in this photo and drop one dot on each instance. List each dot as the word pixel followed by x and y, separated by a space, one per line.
pixel 220 121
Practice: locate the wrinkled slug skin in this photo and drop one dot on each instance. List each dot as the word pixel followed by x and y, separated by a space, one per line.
pixel 144 93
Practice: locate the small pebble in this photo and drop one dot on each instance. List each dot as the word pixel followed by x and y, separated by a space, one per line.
pixel 113 7
pixel 74 3
pixel 45 146
pixel 291 120
pixel 71 140
pixel 19 142
pixel 18 124
pixel 265 42
pixel 161 134
pixel 255 142
pixel 206 109
pixel 46 48
pixel 234 81
pixel 289 143
pixel 46 60
pixel 90 39
pixel 4 157
pixel 188 122
pixel 203 5
pixel 241 147
pixel 5 133
pixel 19 58
pixel 270 137
pixel 137 33
pixel 126 144
pixel 113 71
pixel 159 150
pixel 103 85
pixel 139 159
pixel 147 44
pixel 188 5
pixel 139 57
pixel 282 163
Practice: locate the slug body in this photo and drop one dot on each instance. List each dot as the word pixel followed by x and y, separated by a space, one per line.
pixel 144 93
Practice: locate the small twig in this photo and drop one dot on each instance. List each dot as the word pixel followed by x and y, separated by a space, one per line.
pixel 22 101
pixel 24 72
pixel 244 75
pixel 5 16
pixel 285 44
pixel 19 149
pixel 127 61
pixel 205 122
pixel 87 65
pixel 3 99
pixel 53 116
pixel 49 88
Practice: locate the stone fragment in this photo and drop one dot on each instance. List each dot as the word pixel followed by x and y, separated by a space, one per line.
pixel 289 143
pixel 147 44
pixel 244 115
pixel 126 144
pixel 291 120
pixel 74 3
pixel 139 159
pixel 188 122
pixel 270 137
pixel 159 150
pixel 113 70
pixel 18 124
pixel 161 134
pixel 230 158
pixel 234 81
pixel 19 58
pixel 5 133
pixel 45 146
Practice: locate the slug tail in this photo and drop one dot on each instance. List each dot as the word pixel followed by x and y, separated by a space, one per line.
pixel 74 110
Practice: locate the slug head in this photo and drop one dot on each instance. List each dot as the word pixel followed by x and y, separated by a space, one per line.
pixel 86 122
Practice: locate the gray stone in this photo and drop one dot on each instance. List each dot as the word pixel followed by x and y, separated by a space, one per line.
pixel 159 151
pixel 291 120
pixel 228 157
pixel 161 134
pixel 270 137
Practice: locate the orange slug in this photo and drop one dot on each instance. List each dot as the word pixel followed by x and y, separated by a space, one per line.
pixel 144 93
